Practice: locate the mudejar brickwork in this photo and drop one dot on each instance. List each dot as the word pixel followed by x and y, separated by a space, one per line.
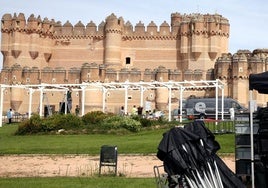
pixel 189 47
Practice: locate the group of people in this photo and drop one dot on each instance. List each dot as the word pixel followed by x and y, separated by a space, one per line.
pixel 134 111
pixel 139 111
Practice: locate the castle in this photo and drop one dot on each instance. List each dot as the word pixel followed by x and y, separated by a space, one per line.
pixel 191 47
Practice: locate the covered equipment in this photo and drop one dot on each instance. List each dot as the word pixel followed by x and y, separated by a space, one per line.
pixel 189 157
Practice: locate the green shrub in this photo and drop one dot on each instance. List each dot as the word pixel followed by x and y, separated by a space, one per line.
pixel 30 126
pixel 61 121
pixel 94 117
pixel 52 123
pixel 118 122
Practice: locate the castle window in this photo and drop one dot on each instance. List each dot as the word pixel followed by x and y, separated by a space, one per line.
pixel 14 77
pixel 128 60
pixel 27 80
pixel 240 69
pixel 108 94
pixel 129 97
pixel 53 80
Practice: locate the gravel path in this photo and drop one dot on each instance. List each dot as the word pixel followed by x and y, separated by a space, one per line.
pixel 80 165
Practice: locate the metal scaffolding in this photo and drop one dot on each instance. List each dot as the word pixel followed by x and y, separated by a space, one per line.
pixel 125 86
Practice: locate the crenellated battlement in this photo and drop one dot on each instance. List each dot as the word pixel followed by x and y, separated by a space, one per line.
pixel 186 24
pixel 184 48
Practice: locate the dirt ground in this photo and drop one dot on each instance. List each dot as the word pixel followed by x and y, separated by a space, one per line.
pixel 81 165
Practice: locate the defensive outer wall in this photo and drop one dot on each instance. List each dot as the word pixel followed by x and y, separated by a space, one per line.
pixel 190 47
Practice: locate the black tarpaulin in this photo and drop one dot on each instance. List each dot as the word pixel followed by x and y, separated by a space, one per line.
pixel 190 153
pixel 259 82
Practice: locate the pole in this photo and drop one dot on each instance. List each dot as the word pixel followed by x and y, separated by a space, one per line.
pixel 30 102
pixel 181 92
pixel 126 97
pixel 103 99
pixel 41 101
pixel 169 103
pixel 83 100
pixel 251 138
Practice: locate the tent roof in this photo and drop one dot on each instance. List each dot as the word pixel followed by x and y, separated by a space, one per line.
pixel 259 82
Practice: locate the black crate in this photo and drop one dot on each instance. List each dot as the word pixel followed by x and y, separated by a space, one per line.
pixel 242 140
pixel 263 142
pixel 243 167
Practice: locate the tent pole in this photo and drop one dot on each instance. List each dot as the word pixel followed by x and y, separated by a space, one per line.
pixel 41 101
pixel 126 98
pixel 104 91
pixel 30 102
pixel 169 103
pixel 83 100
pixel 251 138
pixel 181 92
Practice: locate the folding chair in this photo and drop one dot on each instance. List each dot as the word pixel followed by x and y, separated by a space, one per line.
pixel 108 157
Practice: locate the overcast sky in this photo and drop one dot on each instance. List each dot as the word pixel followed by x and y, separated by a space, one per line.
pixel 248 19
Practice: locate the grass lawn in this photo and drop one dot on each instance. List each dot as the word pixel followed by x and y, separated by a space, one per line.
pixel 145 142
pixel 77 182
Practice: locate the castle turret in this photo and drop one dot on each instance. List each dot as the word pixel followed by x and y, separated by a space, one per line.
pixel 113 32
pixel 223 72
pixel 240 77
pixel 16 93
pixel 161 94
pixel 256 64
pixel 74 75
pixel 34 28
pixel 6 26
pixel 196 30
pixel 184 45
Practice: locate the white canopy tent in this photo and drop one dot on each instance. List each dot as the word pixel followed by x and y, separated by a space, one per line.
pixel 126 86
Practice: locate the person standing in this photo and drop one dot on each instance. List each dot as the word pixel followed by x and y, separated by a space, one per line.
pixel 232 113
pixel 134 110
pixel 122 111
pixel 77 110
pixel 9 116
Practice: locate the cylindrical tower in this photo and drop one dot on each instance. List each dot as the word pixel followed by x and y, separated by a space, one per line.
pixel 16 93
pixel 197 26
pixel 113 37
pixel 239 77
pixel 161 94
pixel 222 72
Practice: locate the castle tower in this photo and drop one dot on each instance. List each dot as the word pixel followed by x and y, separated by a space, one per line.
pixel 16 93
pixel 113 32
pixel 161 94
pixel 6 26
pixel 47 42
pixel 196 29
pixel 222 70
pixel 240 77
